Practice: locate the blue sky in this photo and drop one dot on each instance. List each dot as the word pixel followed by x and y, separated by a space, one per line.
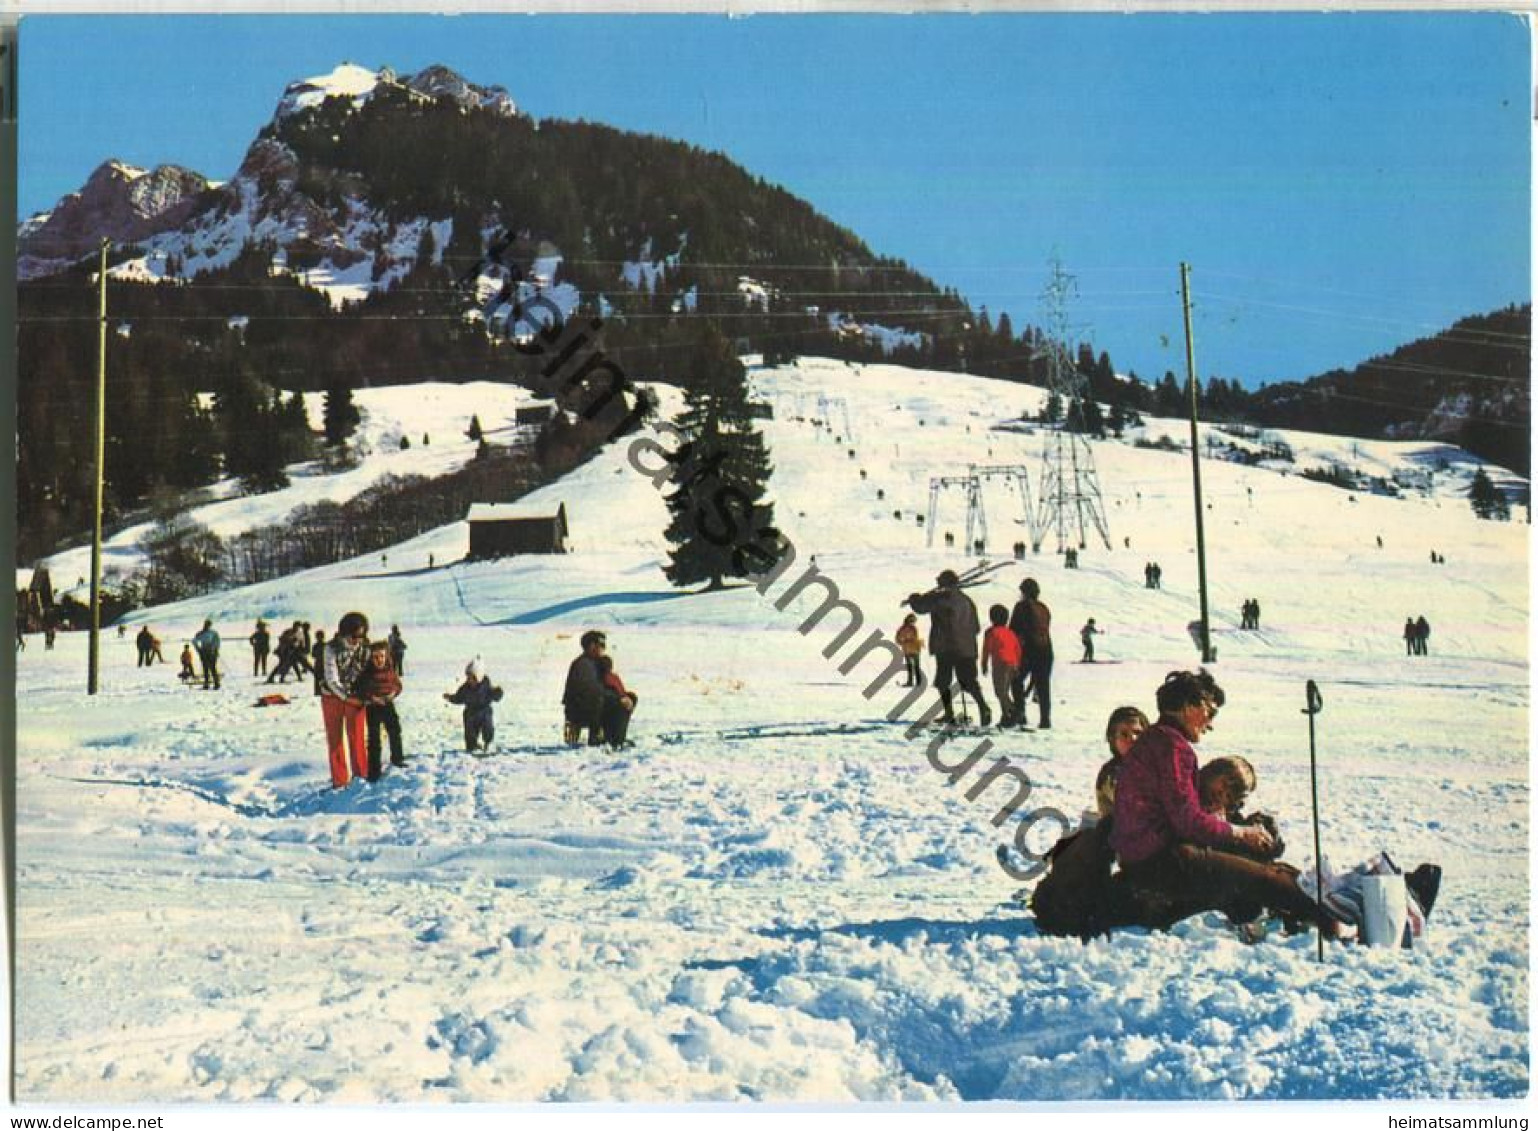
pixel 1341 183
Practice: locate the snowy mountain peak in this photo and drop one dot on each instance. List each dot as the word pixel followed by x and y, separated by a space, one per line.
pixel 359 83
pixel 122 202
pixel 346 81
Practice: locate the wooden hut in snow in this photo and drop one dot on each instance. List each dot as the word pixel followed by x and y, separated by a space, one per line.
pixel 501 530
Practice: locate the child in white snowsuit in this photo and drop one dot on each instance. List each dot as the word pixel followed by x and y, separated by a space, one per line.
pixel 476 695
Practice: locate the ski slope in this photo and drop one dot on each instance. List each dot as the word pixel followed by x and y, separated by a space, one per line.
pixel 773 896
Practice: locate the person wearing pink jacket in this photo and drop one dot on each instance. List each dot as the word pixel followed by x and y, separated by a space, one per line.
pixel 1175 855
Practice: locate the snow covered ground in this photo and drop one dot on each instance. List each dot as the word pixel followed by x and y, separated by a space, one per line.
pixel 773 896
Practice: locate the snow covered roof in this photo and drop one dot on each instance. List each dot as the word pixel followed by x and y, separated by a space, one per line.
pixel 502 512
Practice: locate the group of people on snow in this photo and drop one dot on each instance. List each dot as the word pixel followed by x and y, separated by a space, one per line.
pixel 1417 631
pixel 1153 575
pixel 1169 838
pixel 596 700
pixel 1017 649
pixel 1249 614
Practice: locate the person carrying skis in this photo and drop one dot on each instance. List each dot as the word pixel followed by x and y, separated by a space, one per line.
pixel 1087 635
pixel 1001 649
pixel 476 695
pixel 378 686
pixel 341 710
pixel 953 629
pixel 1031 621
pixel 207 644
pixel 912 645
pixel 261 643
pixel 583 696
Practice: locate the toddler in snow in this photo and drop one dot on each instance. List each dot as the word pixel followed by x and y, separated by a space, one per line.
pixel 476 695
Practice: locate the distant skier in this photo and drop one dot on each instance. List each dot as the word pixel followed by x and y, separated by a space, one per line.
pixel 476 695
pixel 261 643
pixel 583 696
pixel 398 649
pixel 1031 621
pixel 1087 636
pixel 953 629
pixel 207 644
pixel 912 645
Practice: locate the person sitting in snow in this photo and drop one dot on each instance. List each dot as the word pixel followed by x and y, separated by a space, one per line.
pixel 476 695
pixel 618 704
pixel 379 685
pixel 1176 857
pixel 583 696
pixel 1125 726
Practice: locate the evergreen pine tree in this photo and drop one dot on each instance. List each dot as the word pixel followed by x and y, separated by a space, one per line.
pixel 1486 498
pixel 340 415
pixel 720 517
pixel 474 432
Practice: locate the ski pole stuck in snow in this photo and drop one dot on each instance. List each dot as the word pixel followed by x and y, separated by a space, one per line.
pixel 1315 705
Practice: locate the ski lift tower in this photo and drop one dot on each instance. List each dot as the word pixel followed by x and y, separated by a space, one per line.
pixel 977 521
pixel 1070 488
pixel 1019 476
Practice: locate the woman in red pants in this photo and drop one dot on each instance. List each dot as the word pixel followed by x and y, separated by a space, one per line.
pixel 344 713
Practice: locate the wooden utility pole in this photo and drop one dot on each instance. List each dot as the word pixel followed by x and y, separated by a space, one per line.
pixel 1196 469
pixel 93 663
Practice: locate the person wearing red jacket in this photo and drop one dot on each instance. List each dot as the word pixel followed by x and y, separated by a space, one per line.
pixel 1001 652
pixel 1178 858
pixel 618 704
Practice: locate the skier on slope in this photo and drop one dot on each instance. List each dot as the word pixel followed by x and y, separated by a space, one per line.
pixel 953 629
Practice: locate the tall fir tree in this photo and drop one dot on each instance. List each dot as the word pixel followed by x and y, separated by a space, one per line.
pixel 721 521
pixel 340 416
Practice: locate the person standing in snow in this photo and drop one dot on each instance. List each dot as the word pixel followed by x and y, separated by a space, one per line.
pixel 912 645
pixel 189 673
pixel 1001 649
pixel 1031 621
pixel 379 685
pixel 261 644
pixel 583 696
pixel 1087 636
pixel 398 649
pixel 953 629
pixel 145 639
pixel 1422 636
pixel 207 644
pixel 1409 636
pixel 476 695
pixel 1179 858
pixel 317 658
pixel 341 710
